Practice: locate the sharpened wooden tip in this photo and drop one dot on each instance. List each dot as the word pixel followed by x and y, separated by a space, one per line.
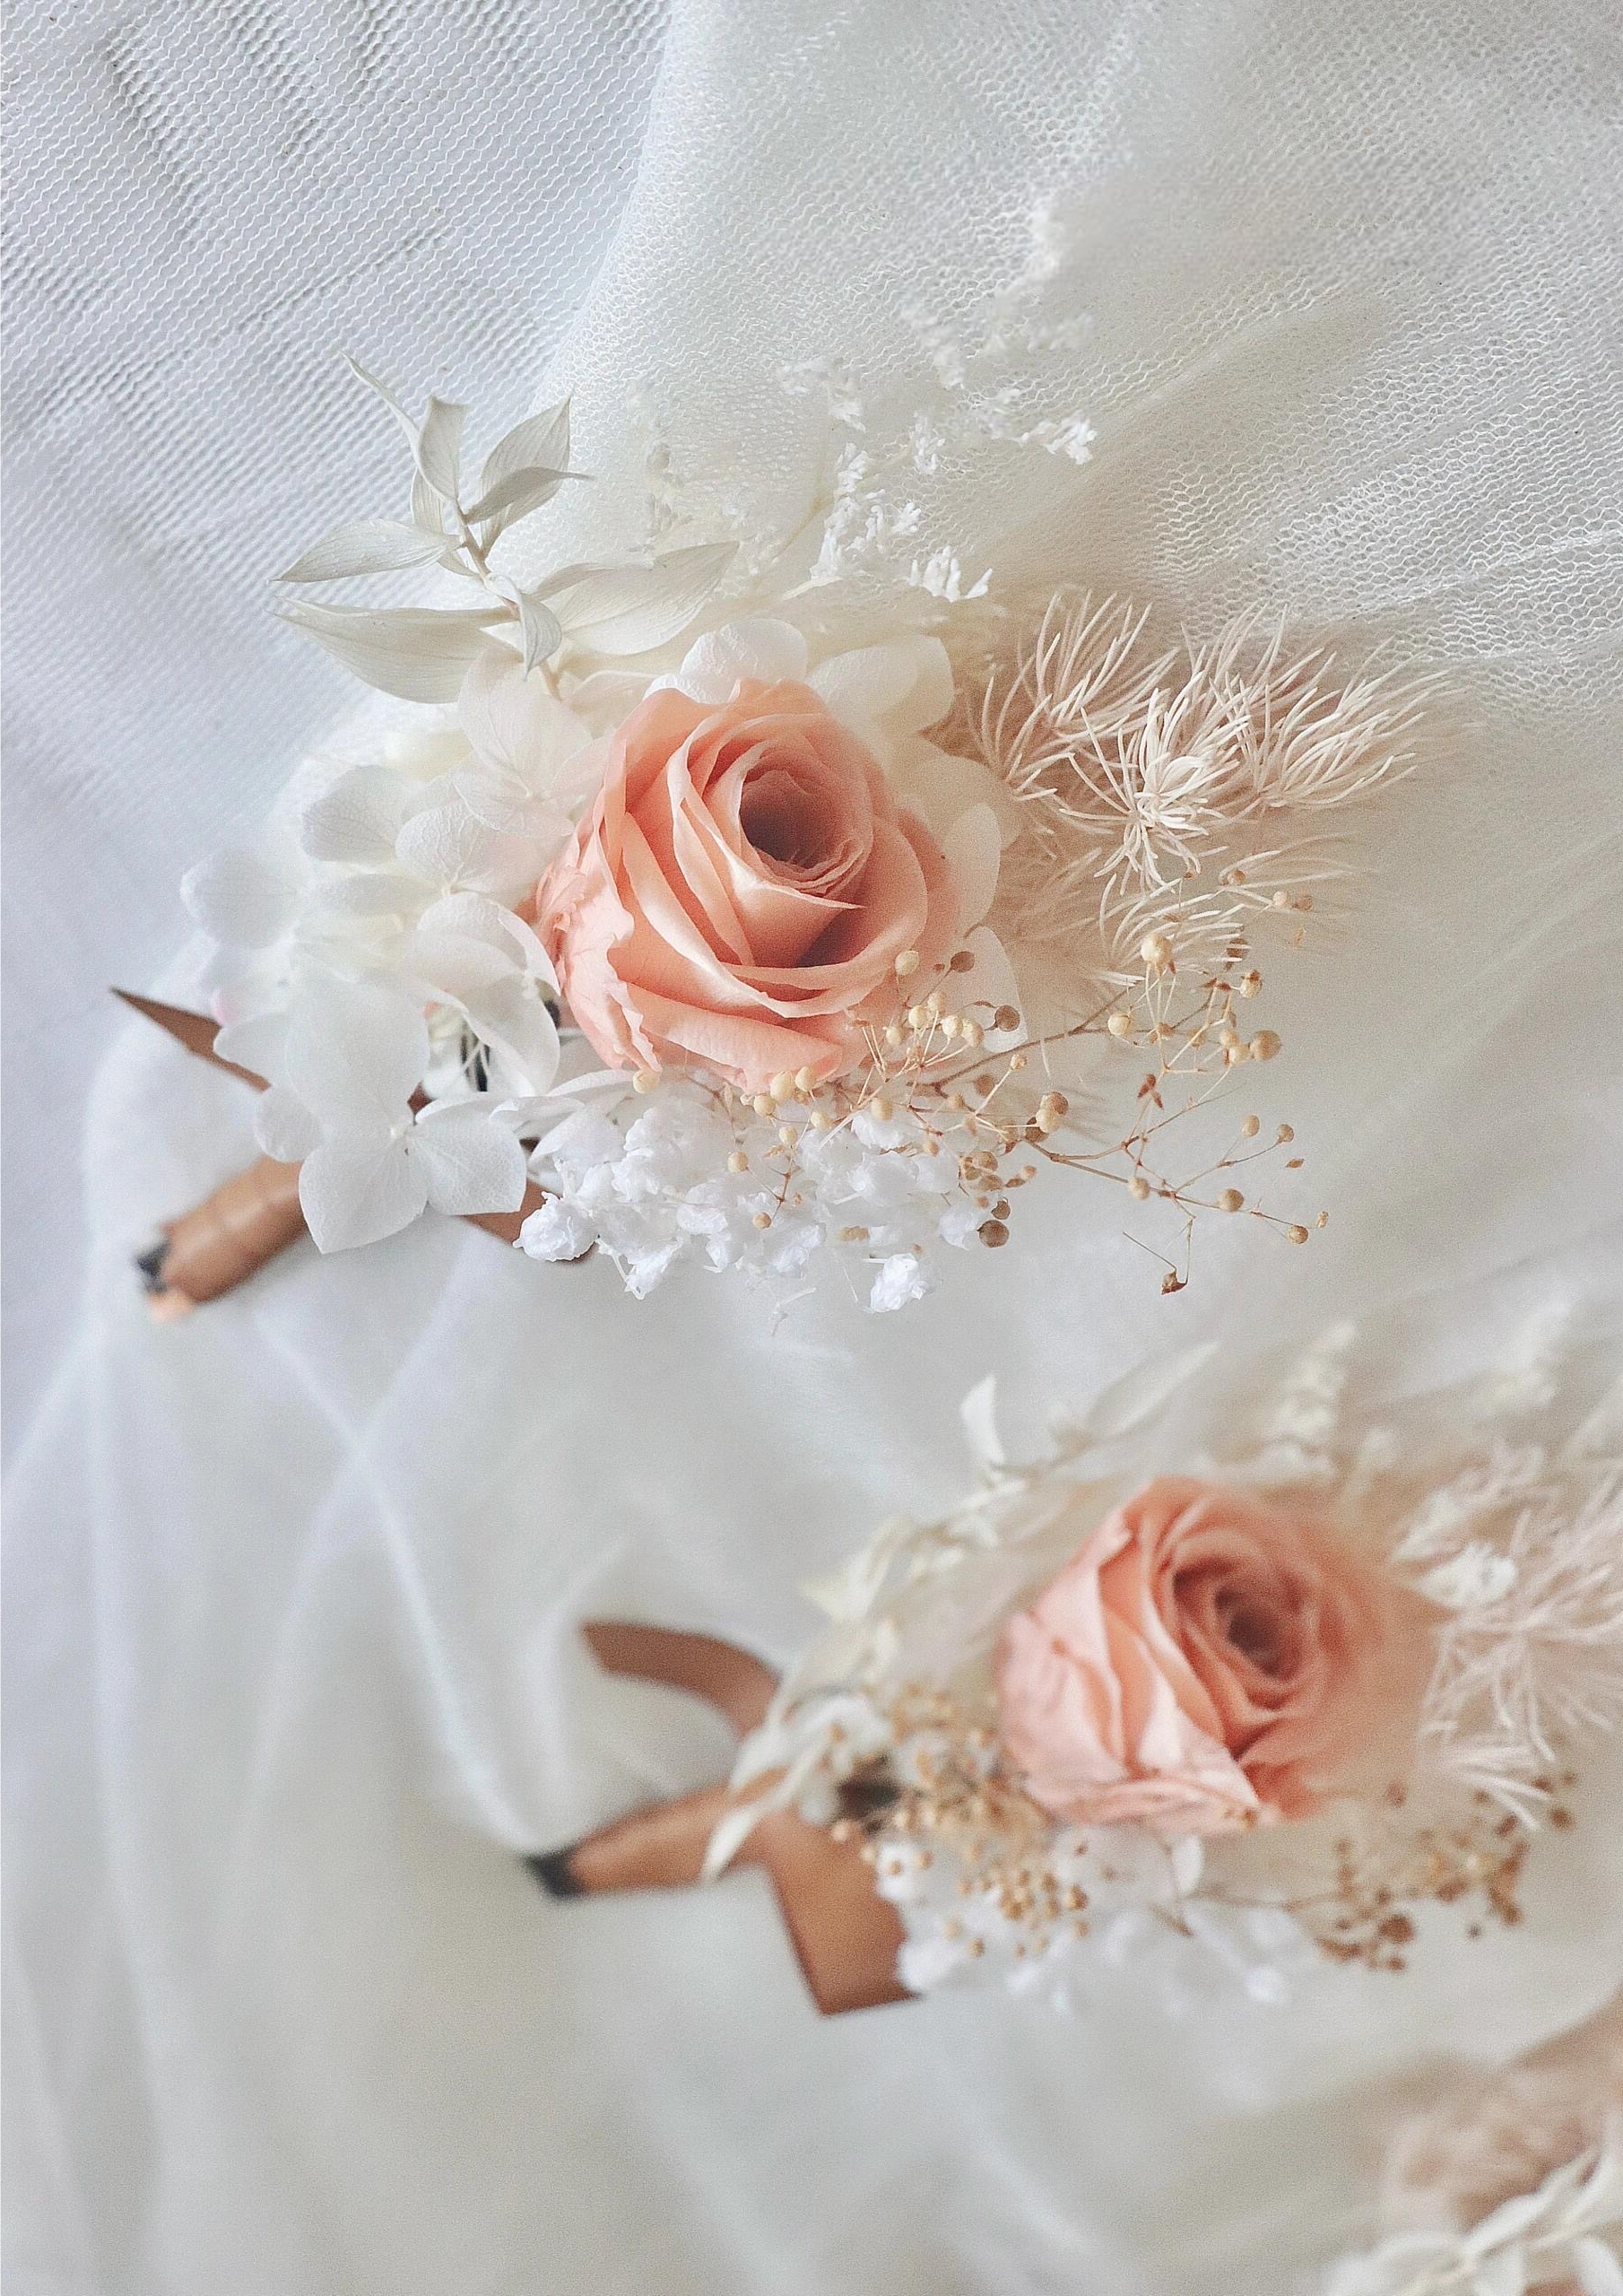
pixel 195 1030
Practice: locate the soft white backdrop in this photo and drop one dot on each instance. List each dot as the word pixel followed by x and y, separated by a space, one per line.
pixel 291 1674
pixel 206 204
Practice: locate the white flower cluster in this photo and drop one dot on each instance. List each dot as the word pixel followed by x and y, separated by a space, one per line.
pixel 377 965
pixel 1142 1911
pixel 675 1174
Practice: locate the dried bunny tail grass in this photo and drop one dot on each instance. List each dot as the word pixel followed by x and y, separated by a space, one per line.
pixel 1518 1678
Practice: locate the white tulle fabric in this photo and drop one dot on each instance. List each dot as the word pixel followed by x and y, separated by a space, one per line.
pixel 292 1583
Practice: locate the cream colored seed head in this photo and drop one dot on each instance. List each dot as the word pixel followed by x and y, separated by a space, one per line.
pixel 1250 1129
pixel 1284 1133
pixel 1138 1187
pixel 1156 950
pixel 1281 901
pixel 821 1121
pixel 738 1161
pixel 785 1133
pixel 906 963
pixel 936 1004
pixel 917 1018
pixel 951 1024
pixel 1264 1044
pixel 763 1104
pixel 1017 1061
pixel 1250 984
pixel 1230 1200
pixel 645 1080
pixel 1120 1024
pixel 893 1035
pixel 806 1080
pixel 973 1034
pixel 882 1110
pixel 783 1085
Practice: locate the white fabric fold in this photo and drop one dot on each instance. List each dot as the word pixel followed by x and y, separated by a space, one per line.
pixel 292 1585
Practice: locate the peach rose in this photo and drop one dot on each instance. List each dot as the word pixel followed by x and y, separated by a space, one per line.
pixel 741 890
pixel 1203 1661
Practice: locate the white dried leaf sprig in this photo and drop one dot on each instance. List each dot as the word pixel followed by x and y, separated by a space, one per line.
pixel 1565 2234
pixel 422 654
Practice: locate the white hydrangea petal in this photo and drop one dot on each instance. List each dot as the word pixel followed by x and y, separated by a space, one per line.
pixel 348 904
pixel 974 847
pixel 517 724
pixel 357 821
pixel 258 1043
pixel 469 1161
pixel 605 698
pixel 942 788
pixel 755 646
pixel 504 804
pixel 902 685
pixel 990 982
pixel 475 916
pixel 512 1017
pixel 1505 2275
pixel 285 1127
pixel 241 896
pixel 444 844
pixel 356 1051
pixel 359 1186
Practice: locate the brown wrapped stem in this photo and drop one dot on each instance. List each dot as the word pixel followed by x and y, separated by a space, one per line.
pixel 228 1238
pixel 845 1935
pixel 234 1232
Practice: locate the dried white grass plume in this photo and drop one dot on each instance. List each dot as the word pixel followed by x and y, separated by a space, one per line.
pixel 1503 2132
pixel 1161 783
pixel 1520 1675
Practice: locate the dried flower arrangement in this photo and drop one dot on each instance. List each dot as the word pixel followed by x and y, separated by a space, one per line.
pixel 1252 1716
pixel 778 895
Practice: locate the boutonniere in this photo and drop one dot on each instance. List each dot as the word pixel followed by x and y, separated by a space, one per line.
pixel 756 902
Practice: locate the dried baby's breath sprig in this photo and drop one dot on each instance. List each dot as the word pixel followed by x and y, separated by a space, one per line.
pixel 951 1080
pixel 946 1797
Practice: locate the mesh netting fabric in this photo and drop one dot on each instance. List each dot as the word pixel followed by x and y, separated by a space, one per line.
pixel 205 205
pixel 293 1584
